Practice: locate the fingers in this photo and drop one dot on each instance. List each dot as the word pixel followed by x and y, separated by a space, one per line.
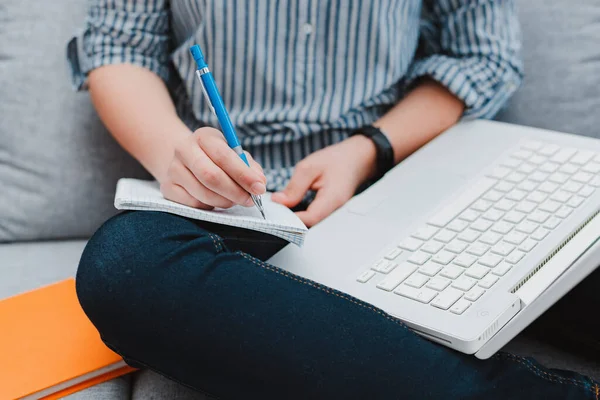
pixel 327 200
pixel 256 166
pixel 180 175
pixel 227 160
pixel 303 178
pixel 179 195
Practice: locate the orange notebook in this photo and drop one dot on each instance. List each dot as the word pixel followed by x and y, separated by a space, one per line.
pixel 49 348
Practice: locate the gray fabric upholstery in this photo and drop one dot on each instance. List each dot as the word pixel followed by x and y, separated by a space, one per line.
pixel 562 67
pixel 58 165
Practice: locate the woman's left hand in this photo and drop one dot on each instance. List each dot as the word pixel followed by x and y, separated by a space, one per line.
pixel 334 172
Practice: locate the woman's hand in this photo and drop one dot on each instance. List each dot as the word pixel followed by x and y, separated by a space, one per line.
pixel 334 172
pixel 206 173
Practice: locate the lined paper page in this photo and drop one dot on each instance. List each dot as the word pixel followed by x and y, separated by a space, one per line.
pixel 134 194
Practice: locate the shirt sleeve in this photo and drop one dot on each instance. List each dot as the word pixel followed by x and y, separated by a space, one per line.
pixel 121 31
pixel 472 48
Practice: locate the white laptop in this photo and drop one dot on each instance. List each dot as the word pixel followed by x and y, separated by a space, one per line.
pixel 471 238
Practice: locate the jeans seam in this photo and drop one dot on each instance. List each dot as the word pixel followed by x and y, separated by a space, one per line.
pixel 216 241
pixel 547 375
pixel 323 288
pixel 597 392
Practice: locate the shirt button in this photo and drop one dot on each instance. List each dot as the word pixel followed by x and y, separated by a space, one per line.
pixel 307 29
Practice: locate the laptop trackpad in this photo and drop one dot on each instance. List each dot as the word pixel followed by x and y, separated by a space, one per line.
pixel 363 205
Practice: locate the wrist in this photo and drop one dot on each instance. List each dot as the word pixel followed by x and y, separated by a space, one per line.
pixel 366 152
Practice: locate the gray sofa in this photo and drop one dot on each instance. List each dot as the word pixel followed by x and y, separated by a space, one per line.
pixel 58 165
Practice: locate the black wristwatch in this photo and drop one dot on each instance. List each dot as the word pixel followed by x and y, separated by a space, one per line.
pixel 385 151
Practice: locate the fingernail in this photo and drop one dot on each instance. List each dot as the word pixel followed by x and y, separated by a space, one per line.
pixel 249 202
pixel 258 188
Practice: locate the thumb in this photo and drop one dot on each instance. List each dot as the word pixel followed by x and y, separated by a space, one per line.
pixel 299 184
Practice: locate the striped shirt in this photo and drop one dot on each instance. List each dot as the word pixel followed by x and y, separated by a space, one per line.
pixel 298 75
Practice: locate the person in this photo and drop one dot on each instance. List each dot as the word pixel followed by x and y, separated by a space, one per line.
pixel 303 81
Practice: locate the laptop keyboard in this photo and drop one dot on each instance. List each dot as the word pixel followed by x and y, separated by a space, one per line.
pixel 471 244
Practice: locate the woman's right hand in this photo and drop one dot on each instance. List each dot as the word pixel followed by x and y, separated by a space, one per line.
pixel 206 173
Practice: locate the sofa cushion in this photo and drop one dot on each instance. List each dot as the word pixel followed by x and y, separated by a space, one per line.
pixel 561 51
pixel 58 165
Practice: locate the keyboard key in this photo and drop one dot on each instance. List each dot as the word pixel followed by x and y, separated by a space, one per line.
pixel 537 196
pixel 592 168
pixel 563 155
pixel 562 196
pixel 481 225
pixel 478 249
pixel 511 162
pixel 514 216
pixel 457 225
pixel 563 212
pixel 365 276
pixel 549 167
pixel 488 281
pixel 456 246
pixel 469 235
pixel 481 205
pixel 448 213
pixel 522 154
pixel 490 238
pixel 419 258
pixel 516 195
pixel 477 271
pixel 464 283
pixel 499 172
pixel 425 233
pixel 493 215
pixel 430 268
pixel 550 206
pixel 493 196
pixel 583 157
pixel 505 205
pixel 451 271
pixel 515 237
pixel 572 187
pixel 516 177
pixel 447 298
pixel 559 177
pixel 595 181
pixel 540 216
pixel 502 268
pixel 568 168
pixel 445 236
pixel 527 227
pixel 474 294
pixel 403 271
pixel 392 254
pixel 465 260
pixel 422 295
pixel 531 144
pixel 410 244
pixel 384 266
pixel 597 158
pixel 490 260
pixel 528 245
pixel 504 186
pixel 538 176
pixel 469 215
pixel 438 283
pixel 432 247
pixel 575 201
pixel 526 206
pixel 503 248
pixel 547 187
pixel 502 227
pixel 460 307
pixel 416 280
pixel 582 177
pixel 586 191
pixel 549 150
pixel 528 185
pixel 526 168
pixel 540 233
pixel 537 159
pixel 552 222
pixel 515 256
pixel 443 257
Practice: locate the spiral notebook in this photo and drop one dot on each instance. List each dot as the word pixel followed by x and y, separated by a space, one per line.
pixel 135 194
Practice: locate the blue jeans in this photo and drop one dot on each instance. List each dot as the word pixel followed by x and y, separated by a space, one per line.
pixel 194 302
